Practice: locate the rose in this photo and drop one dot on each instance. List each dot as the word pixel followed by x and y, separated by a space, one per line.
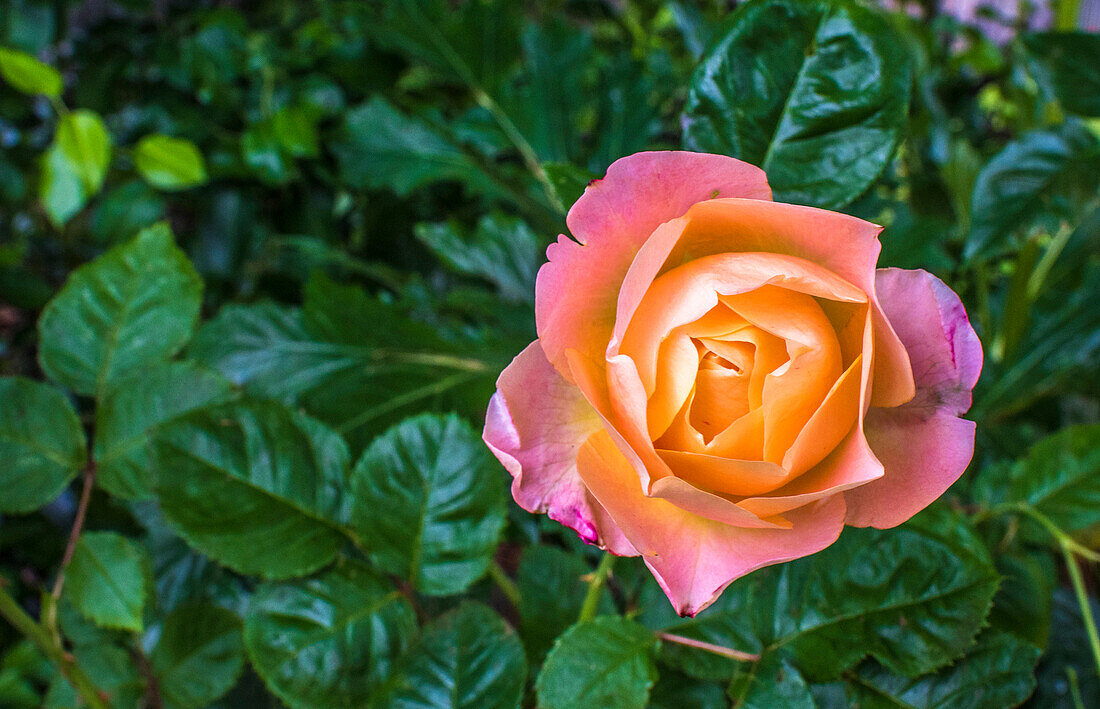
pixel 722 382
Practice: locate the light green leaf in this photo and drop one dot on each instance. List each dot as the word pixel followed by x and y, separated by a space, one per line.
pixel 607 662
pixel 85 142
pixel 466 659
pixel 28 75
pixel 1072 62
pixel 815 92
pixel 997 672
pixel 169 163
pixel 1026 179
pixel 328 641
pixel 107 580
pixel 59 186
pixel 443 502
pixel 135 404
pixel 133 306
pixel 502 250
pixel 381 148
pixel 255 486
pixel 913 598
pixel 41 444
pixel 199 655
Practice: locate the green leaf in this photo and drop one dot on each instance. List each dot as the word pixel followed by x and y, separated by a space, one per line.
pixel 676 691
pixel 443 500
pixel 466 659
pixel 132 306
pixel 997 672
pixel 1072 62
pixel 107 580
pixel 126 210
pixel 569 181
pixel 130 409
pixel 41 444
pixel 913 598
pixel 255 486
pixel 381 148
pixel 502 250
pixel 775 682
pixel 28 75
pixel 265 156
pixel 1060 477
pixel 169 163
pixel 814 92
pixel 59 186
pixel 1029 177
pixel 296 130
pixel 552 590
pixel 328 641
pixel 199 655
pixel 1068 661
pixel 86 144
pixel 607 662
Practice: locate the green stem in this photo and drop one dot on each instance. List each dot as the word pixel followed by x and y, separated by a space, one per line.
pixel 506 585
pixel 722 650
pixel 1082 601
pixel 595 585
pixel 38 635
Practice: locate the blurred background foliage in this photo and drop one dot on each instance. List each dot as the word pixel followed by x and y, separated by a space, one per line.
pixel 261 263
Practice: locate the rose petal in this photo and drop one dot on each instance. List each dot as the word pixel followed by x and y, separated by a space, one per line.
pixel 535 425
pixel 694 558
pixel 576 292
pixel 922 444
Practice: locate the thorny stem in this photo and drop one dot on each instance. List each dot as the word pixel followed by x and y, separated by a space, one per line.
pixel 722 650
pixel 89 693
pixel 595 585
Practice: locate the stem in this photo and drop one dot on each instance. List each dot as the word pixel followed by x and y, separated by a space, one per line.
pixel 92 697
pixel 722 650
pixel 595 585
pixel 49 612
pixel 1082 601
pixel 506 585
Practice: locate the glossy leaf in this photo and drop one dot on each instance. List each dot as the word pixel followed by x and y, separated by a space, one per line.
pixel 133 406
pixel 199 655
pixel 86 144
pixel 815 93
pixel 169 163
pixel 1073 62
pixel 107 580
pixel 41 444
pixel 913 598
pixel 1025 178
pixel 443 500
pixel 607 662
pixel 255 486
pixel 502 250
pixel 134 305
pixel 1060 477
pixel 466 659
pixel 329 641
pixel 775 682
pixel 28 75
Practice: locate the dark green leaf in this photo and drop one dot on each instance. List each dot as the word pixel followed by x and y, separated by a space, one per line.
pixel 108 580
pixel 468 658
pixel 813 92
pixel 677 691
pixel 329 641
pixel 132 306
pixel 296 130
pixel 85 143
pixel 199 655
pixel 126 210
pixel 1072 60
pixel 381 148
pixel 169 163
pixel 997 672
pixel 607 662
pixel 132 406
pixel 1025 178
pixel 41 444
pixel 443 501
pixel 255 486
pixel 775 682
pixel 1060 477
pixel 1067 676
pixel 28 75
pixel 265 156
pixel 569 181
pixel 502 250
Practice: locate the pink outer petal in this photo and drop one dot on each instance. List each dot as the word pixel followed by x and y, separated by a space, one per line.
pixel 694 558
pixel 535 425
pixel 923 446
pixel 576 292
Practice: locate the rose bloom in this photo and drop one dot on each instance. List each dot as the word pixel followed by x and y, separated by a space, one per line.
pixel 722 382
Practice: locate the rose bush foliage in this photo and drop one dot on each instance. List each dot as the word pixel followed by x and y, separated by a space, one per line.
pixel 264 267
